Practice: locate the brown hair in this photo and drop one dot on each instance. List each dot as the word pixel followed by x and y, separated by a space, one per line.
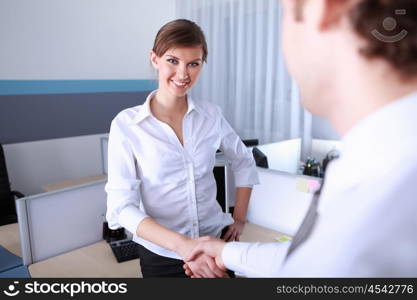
pixel 182 33
pixel 375 21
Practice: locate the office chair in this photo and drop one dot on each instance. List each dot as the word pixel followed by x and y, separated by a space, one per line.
pixel 260 158
pixel 220 178
pixel 7 196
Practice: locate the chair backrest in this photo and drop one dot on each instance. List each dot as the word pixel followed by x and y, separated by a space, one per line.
pixel 7 206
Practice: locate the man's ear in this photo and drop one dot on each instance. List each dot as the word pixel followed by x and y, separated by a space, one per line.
pixel 154 59
pixel 298 10
pixel 296 7
pixel 333 12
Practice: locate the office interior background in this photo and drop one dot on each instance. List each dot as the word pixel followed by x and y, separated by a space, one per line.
pixel 68 67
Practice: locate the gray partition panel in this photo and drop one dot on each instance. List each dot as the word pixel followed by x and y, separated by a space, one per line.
pixel 25 118
pixel 104 153
pixel 281 200
pixel 57 222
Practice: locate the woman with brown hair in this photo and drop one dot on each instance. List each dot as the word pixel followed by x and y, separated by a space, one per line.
pixel 161 185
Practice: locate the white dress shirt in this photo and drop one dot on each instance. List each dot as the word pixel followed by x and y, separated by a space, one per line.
pixel 367 223
pixel 151 174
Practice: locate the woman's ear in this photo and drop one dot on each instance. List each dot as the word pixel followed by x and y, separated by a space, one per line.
pixel 154 59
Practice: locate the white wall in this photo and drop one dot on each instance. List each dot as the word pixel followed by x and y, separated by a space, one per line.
pixel 32 165
pixel 79 39
pixel 322 129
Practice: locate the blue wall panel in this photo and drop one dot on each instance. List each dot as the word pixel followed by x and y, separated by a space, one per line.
pixel 30 87
pixel 32 110
pixel 26 118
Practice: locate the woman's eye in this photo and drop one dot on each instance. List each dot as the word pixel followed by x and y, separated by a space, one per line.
pixel 194 64
pixel 171 60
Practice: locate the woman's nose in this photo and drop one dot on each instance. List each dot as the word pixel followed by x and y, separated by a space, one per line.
pixel 183 73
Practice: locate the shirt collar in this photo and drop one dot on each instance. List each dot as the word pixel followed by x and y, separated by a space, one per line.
pixel 383 126
pixel 377 143
pixel 192 105
pixel 375 146
pixel 144 110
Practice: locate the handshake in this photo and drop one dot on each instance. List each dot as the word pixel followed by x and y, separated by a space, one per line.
pixel 205 259
pixel 203 256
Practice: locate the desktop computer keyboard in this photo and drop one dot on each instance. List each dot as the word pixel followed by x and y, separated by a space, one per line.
pixel 125 250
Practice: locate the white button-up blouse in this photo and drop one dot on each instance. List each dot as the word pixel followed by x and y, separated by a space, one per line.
pixel 150 173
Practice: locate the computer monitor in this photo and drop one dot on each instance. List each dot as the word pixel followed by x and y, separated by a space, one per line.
pixel 219 176
pixel 250 142
pixel 224 182
pixel 260 158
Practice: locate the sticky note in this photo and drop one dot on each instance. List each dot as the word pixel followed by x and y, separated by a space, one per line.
pixel 313 185
pixel 302 185
pixel 283 238
pixel 307 185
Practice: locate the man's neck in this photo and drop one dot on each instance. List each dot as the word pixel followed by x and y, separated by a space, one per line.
pixel 364 95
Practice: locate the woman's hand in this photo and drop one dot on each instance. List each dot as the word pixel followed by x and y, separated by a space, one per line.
pixel 185 246
pixel 202 266
pixel 234 231
pixel 210 247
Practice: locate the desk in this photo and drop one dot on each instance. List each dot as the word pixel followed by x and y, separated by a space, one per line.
pixel 72 182
pixel 9 238
pixel 97 260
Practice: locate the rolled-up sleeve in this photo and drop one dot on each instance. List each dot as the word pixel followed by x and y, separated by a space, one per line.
pixel 242 163
pixel 123 193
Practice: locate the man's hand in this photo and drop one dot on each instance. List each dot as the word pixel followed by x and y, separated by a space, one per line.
pixel 234 231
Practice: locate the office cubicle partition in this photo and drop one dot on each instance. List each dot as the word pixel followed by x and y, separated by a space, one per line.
pixel 104 145
pixel 281 200
pixel 60 221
